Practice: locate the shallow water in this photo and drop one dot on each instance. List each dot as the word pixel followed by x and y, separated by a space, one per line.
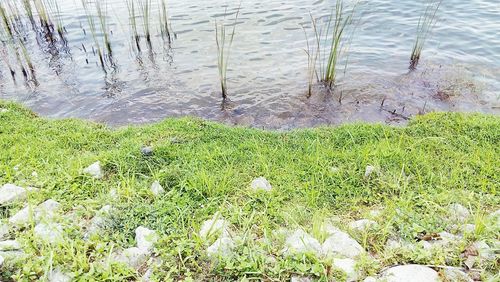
pixel 459 70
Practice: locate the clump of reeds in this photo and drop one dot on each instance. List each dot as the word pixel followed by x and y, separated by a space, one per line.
pixel 146 18
pixel 164 22
pixel 224 43
pixel 43 15
pixel 330 43
pixel 425 24
pixel 93 30
pixel 54 8
pixel 101 9
pixel 28 10
pixel 133 22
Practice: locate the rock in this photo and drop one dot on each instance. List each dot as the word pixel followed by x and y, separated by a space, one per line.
pixel 458 212
pixel 397 243
pixel 261 184
pixel 369 171
pixel 3 111
pixel 9 245
pixel 4 231
pixel 375 213
pixel 45 210
pixel 362 225
pixel 156 188
pixel 133 257
pixel 223 247
pixel 456 275
pixel 340 243
pixel 1 261
pixel 495 218
pixel 216 225
pixel 99 220
pixel 370 279
pixel 300 242
pixel 22 217
pixel 147 151
pixel 145 238
pixel 57 275
pixel 10 193
pixel 410 273
pixel 94 170
pixel 469 228
pixel 484 250
pixel 296 278
pixel 348 266
pixel 113 194
pixel 154 263
pixel 49 232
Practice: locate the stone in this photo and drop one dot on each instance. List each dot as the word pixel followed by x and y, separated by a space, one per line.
pixel 22 217
pixel 410 273
pixel 147 151
pixel 398 243
pixel 222 247
pixel 156 188
pixel 261 184
pixel 133 257
pixel 362 225
pixel 495 218
pixel 10 193
pixel 145 238
pixel 456 275
pixel 57 275
pixel 375 213
pixel 296 278
pixel 340 243
pixel 1 261
pixel 348 266
pixel 49 232
pixel 4 231
pixel 469 228
pixel 10 245
pixel 94 170
pixel 46 210
pixel 369 171
pixel 370 279
pixel 300 243
pixel 458 212
pixel 484 250
pixel 113 194
pixel 214 226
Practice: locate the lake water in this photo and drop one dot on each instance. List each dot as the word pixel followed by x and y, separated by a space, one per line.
pixel 267 75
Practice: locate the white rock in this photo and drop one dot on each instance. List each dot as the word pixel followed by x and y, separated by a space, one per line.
pixel 222 247
pixel 133 257
pixel 156 188
pixel 94 170
pixel 49 232
pixel 46 210
pixel 34 174
pixel 340 243
pixel 370 279
pixel 456 275
pixel 9 245
pixel 397 243
pixel 215 226
pixel 300 242
pixel 485 251
pixel 57 275
pixel 348 266
pixel 459 212
pixel 410 273
pixel 1 261
pixel 375 213
pixel 10 193
pixel 469 228
pixel 22 217
pixel 261 184
pixel 369 170
pixel 362 225
pixel 4 231
pixel 495 218
pixel 145 238
pixel 99 220
pixel 113 194
pixel 296 278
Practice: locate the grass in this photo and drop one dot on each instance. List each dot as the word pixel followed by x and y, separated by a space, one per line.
pixel 205 167
pixel 164 22
pixel 93 30
pixel 146 19
pixel 102 14
pixel 224 43
pixel 133 23
pixel 426 23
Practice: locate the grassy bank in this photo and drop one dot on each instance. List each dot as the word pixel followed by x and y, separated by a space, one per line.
pixel 316 174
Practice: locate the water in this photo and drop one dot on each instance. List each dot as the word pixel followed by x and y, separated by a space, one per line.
pixel 267 76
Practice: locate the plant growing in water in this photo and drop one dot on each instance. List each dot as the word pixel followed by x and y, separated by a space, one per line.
pixel 101 9
pixel 133 22
pixel 425 24
pixel 224 43
pixel 164 22
pixel 146 17
pixel 92 26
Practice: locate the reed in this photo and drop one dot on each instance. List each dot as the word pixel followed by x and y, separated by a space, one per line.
pixel 425 25
pixel 28 10
pixel 43 15
pixel 133 22
pixel 101 9
pixel 164 22
pixel 93 30
pixel 55 9
pixel 312 52
pixel 146 18
pixel 224 43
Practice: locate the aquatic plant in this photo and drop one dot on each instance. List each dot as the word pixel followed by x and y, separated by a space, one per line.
pixel 133 22
pixel 224 43
pixel 425 24
pixel 28 10
pixel 146 18
pixel 164 22
pixel 93 30
pixel 54 8
pixel 101 9
pixel 312 52
pixel 43 15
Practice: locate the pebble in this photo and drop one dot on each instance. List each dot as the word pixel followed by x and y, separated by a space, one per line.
pixel 369 171
pixel 458 212
pixel 348 266
pixel 10 245
pixel 362 225
pixel 10 193
pixel 221 247
pixel 147 151
pixel 57 275
pixel 296 278
pixel 261 184
pixel 49 232
pixel 4 231
pixel 133 257
pixel 1 261
pixel 46 210
pixel 145 238
pixel 340 243
pixel 456 275
pixel 300 243
pixel 410 273
pixel 94 170
pixel 156 188
pixel 214 226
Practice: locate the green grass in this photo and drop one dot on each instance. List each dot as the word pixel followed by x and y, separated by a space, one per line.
pixel 438 159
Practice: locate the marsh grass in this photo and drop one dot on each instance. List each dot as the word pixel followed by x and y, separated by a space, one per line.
pixel 426 23
pixel 92 26
pixel 224 42
pixel 146 20
pixel 102 14
pixel 55 9
pixel 165 27
pixel 132 15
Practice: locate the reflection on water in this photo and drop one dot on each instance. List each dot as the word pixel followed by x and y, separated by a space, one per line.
pixel 268 69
